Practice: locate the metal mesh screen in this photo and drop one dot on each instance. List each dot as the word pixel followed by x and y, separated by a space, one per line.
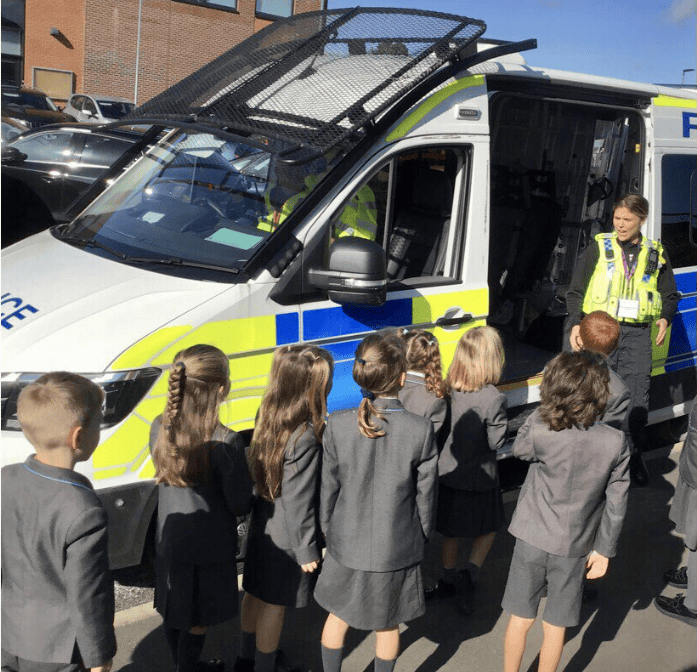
pixel 315 80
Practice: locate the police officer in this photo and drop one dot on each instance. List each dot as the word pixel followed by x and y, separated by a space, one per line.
pixel 629 277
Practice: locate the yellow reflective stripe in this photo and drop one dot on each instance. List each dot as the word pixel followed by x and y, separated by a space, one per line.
pixel 429 308
pixel 429 104
pixel 141 353
pixel 151 407
pixel 109 473
pixel 242 369
pixel 670 101
pixel 231 336
pixel 144 454
pixel 148 470
pixel 124 446
pixel 528 382
pixel 160 388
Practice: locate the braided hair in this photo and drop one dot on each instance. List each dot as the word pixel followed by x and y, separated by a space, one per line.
pixel 423 356
pixel 199 380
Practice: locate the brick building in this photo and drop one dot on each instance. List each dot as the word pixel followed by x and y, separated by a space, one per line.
pixel 135 48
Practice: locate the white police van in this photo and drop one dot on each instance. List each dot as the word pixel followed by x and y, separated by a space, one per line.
pixel 337 173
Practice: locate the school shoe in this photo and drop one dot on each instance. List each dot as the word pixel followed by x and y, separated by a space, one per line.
pixel 676 577
pixel 675 608
pixel 465 590
pixel 213 665
pixel 440 590
pixel 244 664
pixel 282 665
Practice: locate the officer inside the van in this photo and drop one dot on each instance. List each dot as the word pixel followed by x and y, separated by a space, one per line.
pixel 629 277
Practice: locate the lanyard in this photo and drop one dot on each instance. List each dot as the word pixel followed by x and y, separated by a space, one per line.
pixel 629 273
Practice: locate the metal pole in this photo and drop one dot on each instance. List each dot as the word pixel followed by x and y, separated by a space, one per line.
pixel 683 75
pixel 140 14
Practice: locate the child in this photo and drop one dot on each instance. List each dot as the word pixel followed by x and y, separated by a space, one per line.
pixel 204 484
pixel 600 332
pixel 683 512
pixel 424 391
pixel 282 549
pixel 57 592
pixel 571 507
pixel 470 504
pixel 377 502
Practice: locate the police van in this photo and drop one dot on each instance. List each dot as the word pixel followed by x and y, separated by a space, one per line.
pixel 338 173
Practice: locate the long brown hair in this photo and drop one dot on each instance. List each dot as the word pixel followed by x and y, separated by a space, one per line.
pixel 296 397
pixel 635 203
pixel 423 356
pixel 380 362
pixel 478 361
pixel 575 390
pixel 199 380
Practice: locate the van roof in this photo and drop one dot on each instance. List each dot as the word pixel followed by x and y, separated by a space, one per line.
pixel 316 80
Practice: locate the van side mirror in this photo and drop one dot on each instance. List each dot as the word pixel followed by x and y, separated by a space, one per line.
pixel 356 272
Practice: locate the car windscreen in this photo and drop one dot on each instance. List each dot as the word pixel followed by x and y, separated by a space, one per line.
pixel 28 100
pixel 114 109
pixel 195 198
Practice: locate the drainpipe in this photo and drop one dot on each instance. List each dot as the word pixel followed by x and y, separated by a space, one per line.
pixel 140 15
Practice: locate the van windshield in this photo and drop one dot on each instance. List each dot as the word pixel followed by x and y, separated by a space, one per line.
pixel 196 198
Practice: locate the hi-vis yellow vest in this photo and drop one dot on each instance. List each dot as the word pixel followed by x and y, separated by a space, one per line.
pixel 275 216
pixel 609 284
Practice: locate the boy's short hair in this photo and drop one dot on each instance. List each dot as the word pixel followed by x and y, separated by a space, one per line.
pixel 599 332
pixel 575 390
pixel 54 402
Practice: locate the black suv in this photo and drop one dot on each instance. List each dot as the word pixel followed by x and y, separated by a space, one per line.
pixel 45 170
pixel 30 107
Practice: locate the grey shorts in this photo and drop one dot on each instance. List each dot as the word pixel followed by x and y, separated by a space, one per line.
pixel 526 581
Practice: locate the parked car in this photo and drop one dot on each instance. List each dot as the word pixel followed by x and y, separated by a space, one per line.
pixel 30 107
pixel 97 109
pixel 45 170
pixel 11 129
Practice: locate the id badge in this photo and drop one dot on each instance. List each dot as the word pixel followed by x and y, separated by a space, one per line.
pixel 628 309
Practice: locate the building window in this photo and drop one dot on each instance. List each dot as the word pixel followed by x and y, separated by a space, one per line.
pixel 275 8
pixel 228 5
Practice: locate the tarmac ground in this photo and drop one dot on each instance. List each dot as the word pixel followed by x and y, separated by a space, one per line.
pixel 620 631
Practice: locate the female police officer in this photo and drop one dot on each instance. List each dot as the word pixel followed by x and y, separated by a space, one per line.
pixel 629 277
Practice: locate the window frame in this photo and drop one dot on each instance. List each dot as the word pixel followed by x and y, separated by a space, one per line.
pixel 272 17
pixel 208 4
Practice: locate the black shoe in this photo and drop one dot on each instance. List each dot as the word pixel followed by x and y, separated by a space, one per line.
pixel 465 591
pixel 676 577
pixel 244 664
pixel 213 665
pixel 675 608
pixel 282 665
pixel 441 590
pixel 638 473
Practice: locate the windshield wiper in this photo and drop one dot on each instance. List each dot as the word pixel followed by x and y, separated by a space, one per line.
pixel 72 238
pixel 181 262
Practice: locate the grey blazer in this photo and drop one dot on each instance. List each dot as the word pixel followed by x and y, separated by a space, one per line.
pixel 378 496
pixel 574 497
pixel 57 591
pixel 417 399
pixel 688 454
pixel 479 425
pixel 292 519
pixel 618 404
pixel 198 524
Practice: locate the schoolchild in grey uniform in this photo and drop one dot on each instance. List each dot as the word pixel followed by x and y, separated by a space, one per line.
pixel 470 504
pixel 571 507
pixel 285 455
pixel 57 592
pixel 683 512
pixel 204 484
pixel 377 508
pixel 425 392
pixel 600 332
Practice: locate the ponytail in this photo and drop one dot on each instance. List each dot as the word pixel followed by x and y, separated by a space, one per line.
pixel 366 410
pixel 175 395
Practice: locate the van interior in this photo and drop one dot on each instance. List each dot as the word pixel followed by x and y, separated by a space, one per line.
pixel 557 166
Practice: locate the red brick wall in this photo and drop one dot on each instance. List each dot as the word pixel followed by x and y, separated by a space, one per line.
pixel 176 39
pixel 43 50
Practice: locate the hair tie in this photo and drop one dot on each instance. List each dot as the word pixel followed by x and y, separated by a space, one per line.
pixel 405 330
pixel 360 361
pixel 367 394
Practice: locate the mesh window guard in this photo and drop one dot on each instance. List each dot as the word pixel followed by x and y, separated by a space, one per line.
pixel 319 79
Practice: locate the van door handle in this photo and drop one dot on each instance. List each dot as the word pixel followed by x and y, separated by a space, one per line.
pixel 453 317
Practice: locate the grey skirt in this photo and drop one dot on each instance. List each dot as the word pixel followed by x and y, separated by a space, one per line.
pixel 370 600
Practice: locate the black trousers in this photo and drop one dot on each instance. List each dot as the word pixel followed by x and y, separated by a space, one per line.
pixel 632 362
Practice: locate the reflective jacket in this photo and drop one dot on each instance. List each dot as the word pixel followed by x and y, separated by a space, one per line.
pixel 609 283
pixel 360 217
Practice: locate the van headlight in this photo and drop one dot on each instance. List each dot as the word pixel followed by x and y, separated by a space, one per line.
pixel 122 392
